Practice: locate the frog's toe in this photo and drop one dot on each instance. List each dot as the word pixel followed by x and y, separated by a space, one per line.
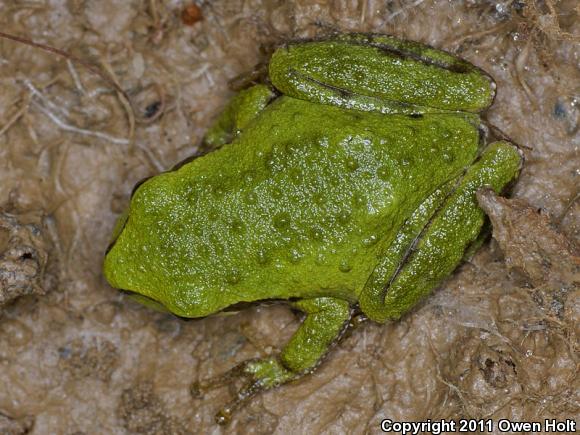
pixel 224 416
pixel 199 388
pixel 257 375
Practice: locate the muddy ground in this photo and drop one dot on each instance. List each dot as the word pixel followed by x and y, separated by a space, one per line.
pixel 498 340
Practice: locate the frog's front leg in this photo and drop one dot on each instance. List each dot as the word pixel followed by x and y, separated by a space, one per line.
pixel 433 241
pixel 242 108
pixel 326 319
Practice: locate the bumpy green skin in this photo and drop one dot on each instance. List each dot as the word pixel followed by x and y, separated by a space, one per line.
pixel 262 219
pixel 355 186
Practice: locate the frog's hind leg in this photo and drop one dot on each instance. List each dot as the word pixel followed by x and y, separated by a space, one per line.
pixel 436 236
pixel 326 320
pixel 380 73
pixel 242 108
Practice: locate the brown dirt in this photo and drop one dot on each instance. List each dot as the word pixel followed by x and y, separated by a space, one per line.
pixel 82 359
pixel 10 426
pixel 141 411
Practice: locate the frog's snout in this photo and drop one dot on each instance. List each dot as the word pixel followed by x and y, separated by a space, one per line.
pixel 119 226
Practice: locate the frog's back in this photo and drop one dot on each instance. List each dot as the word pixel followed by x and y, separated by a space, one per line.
pixel 301 204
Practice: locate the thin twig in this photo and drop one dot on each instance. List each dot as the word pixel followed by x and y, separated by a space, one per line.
pixel 404 9
pixel 123 97
pixel 16 116
pixel 75 77
pixel 519 67
pixel 50 105
pixel 125 101
pixel 92 68
pixel 67 127
pixel 567 208
pixel 478 34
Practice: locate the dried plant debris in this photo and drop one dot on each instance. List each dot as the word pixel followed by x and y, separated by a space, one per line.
pixel 143 412
pixel 531 244
pixel 535 19
pixel 548 18
pixel 12 426
pixel 540 30
pixel 26 252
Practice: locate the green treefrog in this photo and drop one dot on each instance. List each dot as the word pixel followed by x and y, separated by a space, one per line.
pixel 346 180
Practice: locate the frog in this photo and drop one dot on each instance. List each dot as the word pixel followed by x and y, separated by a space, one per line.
pixel 342 184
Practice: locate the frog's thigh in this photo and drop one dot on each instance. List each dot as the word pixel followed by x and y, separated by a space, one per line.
pixel 442 243
pixel 326 318
pixel 242 108
pixel 379 73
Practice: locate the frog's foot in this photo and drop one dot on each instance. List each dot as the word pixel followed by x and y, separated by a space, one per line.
pixel 325 322
pixel 259 375
pixel 357 320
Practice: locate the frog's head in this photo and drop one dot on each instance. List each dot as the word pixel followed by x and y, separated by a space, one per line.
pixel 122 280
pixel 145 256
pixel 116 279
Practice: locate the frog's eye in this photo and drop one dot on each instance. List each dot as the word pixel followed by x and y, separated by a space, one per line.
pixel 189 159
pixel 119 225
pixel 138 185
pixel 122 219
pixel 146 301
